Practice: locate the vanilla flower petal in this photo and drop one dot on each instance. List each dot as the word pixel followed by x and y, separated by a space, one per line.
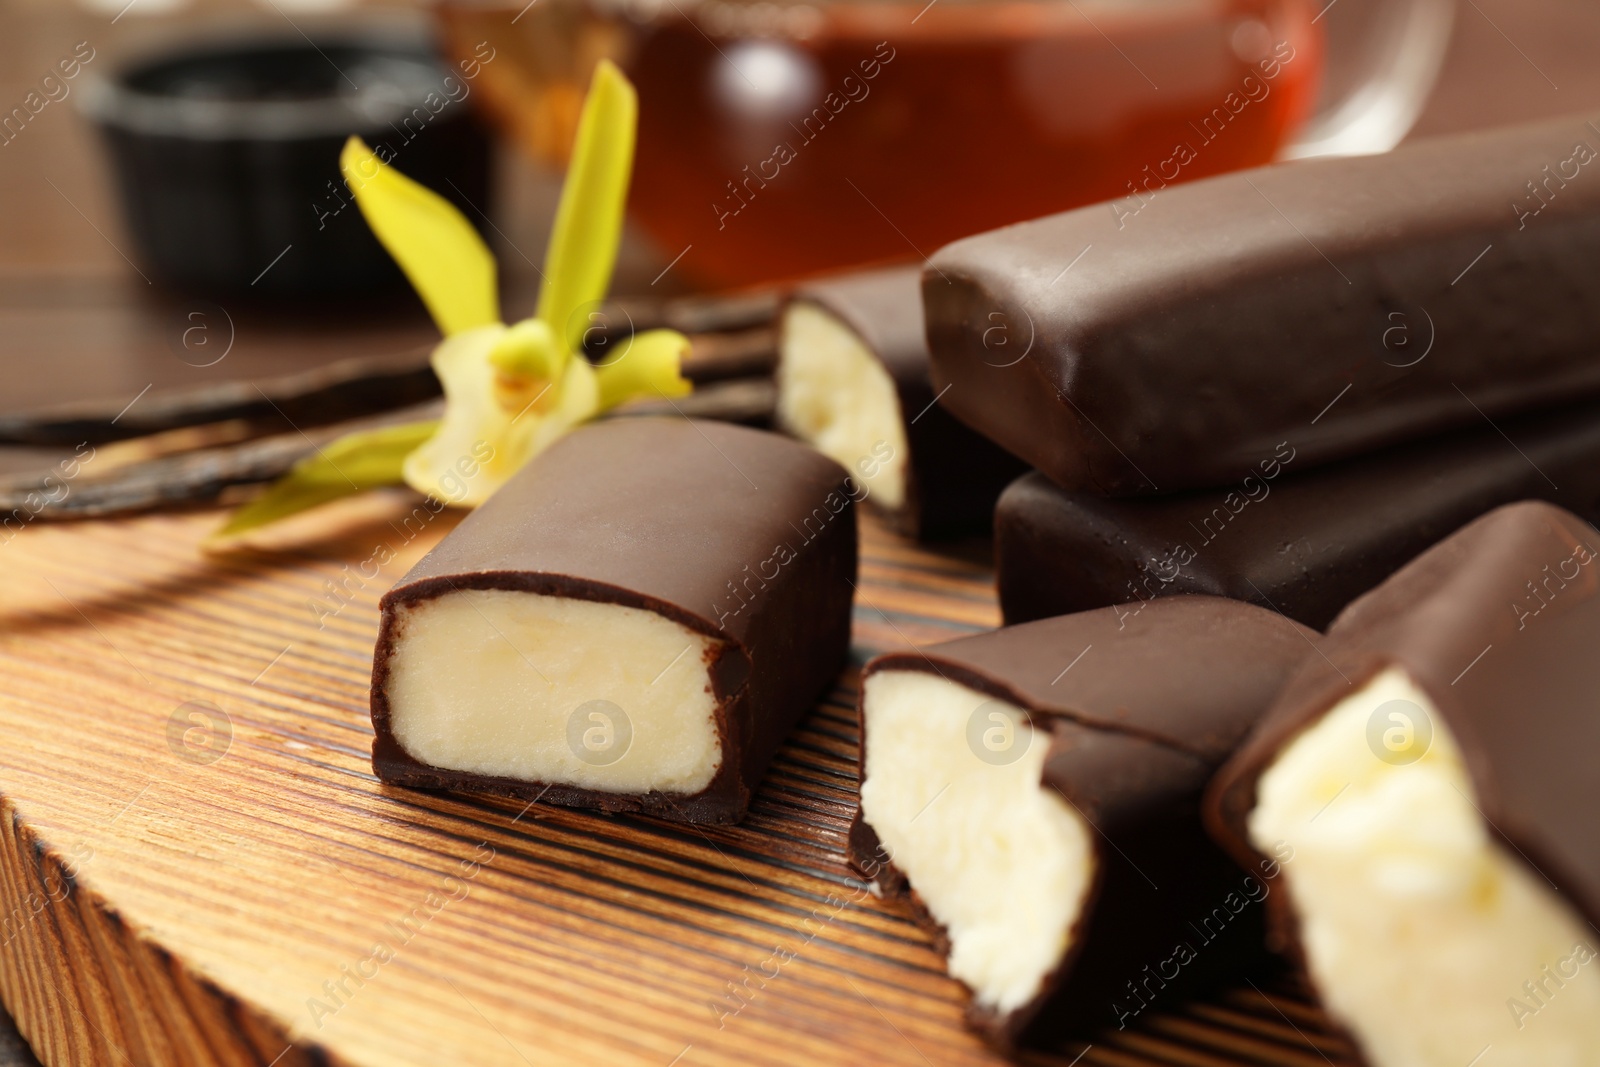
pixel 482 441
pixel 649 365
pixel 446 261
pixel 354 463
pixel 588 227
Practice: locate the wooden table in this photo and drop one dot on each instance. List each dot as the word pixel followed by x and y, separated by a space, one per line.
pixel 220 878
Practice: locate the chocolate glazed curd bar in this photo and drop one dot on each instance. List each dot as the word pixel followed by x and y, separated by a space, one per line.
pixel 633 623
pixel 1343 305
pixel 854 382
pixel 1304 543
pixel 1433 775
pixel 1037 789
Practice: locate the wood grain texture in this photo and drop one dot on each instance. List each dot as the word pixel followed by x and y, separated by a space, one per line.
pixel 198 866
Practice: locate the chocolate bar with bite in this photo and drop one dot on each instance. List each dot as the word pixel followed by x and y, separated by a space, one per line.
pixel 1429 779
pixel 633 623
pixel 1037 791
pixel 1342 305
pixel 1304 543
pixel 853 381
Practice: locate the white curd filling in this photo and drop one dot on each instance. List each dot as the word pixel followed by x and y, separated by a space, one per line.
pixel 1000 861
pixel 834 395
pixel 554 690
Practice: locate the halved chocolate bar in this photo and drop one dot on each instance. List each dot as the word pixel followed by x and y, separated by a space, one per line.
pixel 1341 305
pixel 1430 780
pixel 633 623
pixel 854 382
pixel 1304 543
pixel 1038 790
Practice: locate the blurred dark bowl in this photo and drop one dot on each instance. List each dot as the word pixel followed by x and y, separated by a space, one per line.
pixel 226 155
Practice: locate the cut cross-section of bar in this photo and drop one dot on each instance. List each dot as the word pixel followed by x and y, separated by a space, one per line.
pixel 834 394
pixel 1428 937
pixel 1034 795
pixel 1000 861
pixel 1430 774
pixel 854 382
pixel 634 622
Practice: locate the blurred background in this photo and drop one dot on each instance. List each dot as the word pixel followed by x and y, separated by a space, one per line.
pixel 170 166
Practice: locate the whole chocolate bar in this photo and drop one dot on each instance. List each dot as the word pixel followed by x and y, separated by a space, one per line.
pixel 1172 341
pixel 1038 789
pixel 1427 785
pixel 633 623
pixel 854 382
pixel 1304 543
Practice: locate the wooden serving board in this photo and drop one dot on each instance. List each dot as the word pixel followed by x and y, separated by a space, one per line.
pixel 198 866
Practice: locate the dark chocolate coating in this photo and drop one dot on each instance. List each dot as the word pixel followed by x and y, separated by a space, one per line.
pixel 1305 543
pixel 670 516
pixel 1136 727
pixel 1499 624
pixel 1230 314
pixel 953 475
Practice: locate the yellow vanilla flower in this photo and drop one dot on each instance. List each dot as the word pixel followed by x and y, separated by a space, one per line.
pixel 510 391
